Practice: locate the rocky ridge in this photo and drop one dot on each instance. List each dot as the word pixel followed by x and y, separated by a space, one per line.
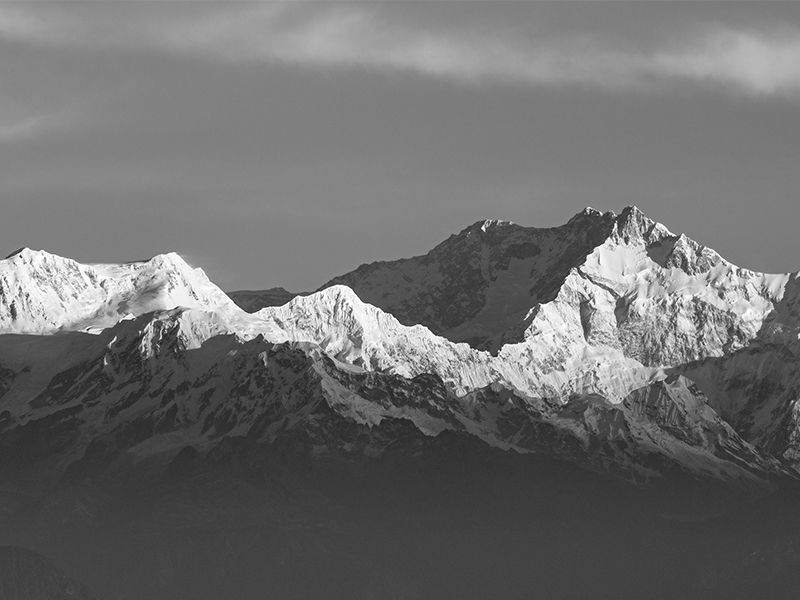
pixel 609 342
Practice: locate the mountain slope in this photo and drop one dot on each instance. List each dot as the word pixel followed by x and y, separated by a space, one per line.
pixel 188 447
pixel 612 310
pixel 148 387
pixel 44 293
pixel 482 281
pixel 637 297
pixel 487 284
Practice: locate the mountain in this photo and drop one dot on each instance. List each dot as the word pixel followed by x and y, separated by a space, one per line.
pixel 44 293
pixel 138 402
pixel 603 290
pixel 488 284
pixel 623 341
pixel 148 387
pixel 480 283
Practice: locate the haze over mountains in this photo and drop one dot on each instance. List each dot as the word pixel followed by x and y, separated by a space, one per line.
pixel 608 343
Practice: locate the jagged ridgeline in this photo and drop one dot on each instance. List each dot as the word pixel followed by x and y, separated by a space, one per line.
pixel 138 399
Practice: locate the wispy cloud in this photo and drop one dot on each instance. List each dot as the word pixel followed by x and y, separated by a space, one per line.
pixel 25 128
pixel 32 126
pixel 760 61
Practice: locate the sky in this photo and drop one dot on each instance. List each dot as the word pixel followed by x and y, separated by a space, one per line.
pixel 282 144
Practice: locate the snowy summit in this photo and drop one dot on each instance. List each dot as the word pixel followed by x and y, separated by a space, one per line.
pixel 606 341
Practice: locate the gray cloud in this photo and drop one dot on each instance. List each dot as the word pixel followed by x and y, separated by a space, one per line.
pixel 31 126
pixel 283 144
pixel 20 129
pixel 759 61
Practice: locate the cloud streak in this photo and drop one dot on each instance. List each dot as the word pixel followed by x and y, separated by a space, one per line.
pixel 32 126
pixel 759 61
pixel 24 129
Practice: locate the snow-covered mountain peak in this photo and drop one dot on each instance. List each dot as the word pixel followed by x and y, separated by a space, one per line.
pixel 592 211
pixel 25 251
pixel 603 289
pixel 632 225
pixel 480 283
pixel 580 332
pixel 488 224
pixel 42 292
pixel 634 230
pixel 485 225
pixel 592 214
pixel 13 254
pixel 346 328
pixel 29 256
pixel 485 233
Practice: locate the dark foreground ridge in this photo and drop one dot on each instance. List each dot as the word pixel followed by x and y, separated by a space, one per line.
pixel 621 423
pixel 430 518
pixel 26 575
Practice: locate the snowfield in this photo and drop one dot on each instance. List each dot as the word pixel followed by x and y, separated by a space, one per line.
pixel 609 341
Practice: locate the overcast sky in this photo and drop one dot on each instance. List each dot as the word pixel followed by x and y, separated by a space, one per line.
pixel 286 143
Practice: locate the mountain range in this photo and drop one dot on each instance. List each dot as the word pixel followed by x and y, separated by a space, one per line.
pixel 619 350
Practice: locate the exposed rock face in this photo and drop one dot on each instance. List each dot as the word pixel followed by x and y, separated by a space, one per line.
pixel 608 311
pixel 631 294
pixel 150 386
pixel 609 343
pixel 622 281
pixel 479 283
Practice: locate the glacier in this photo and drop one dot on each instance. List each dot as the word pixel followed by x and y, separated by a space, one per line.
pixel 488 403
pixel 640 346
